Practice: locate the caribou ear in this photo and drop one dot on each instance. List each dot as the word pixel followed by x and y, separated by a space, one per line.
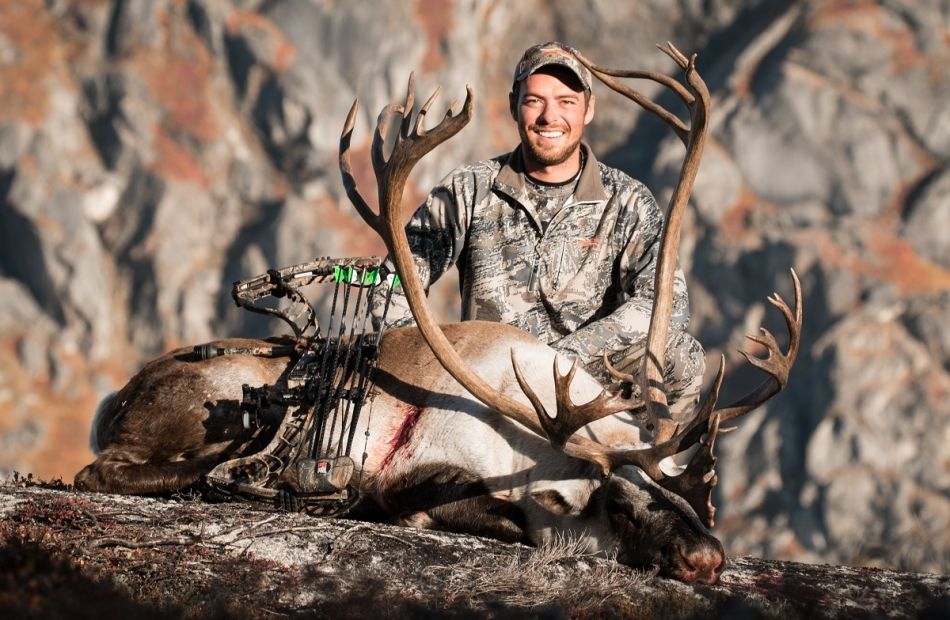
pixel 569 497
pixel 553 501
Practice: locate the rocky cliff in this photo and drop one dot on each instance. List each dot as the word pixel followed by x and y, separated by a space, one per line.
pixel 151 153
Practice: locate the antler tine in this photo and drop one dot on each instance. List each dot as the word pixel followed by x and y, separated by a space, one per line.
pixel 607 402
pixel 406 125
pixel 605 75
pixel 776 363
pixel 346 171
pixel 420 130
pixel 570 416
pixel 619 375
pixel 411 147
pixel 653 76
pixel 649 459
pixel 678 57
pixel 383 121
pixel 705 467
pixel 554 429
pixel 688 65
pixel 696 482
pixel 768 341
pixel 452 122
pixel 528 391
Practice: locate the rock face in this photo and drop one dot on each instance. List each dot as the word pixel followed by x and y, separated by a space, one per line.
pixel 153 153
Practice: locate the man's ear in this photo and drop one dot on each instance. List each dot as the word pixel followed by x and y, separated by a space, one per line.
pixel 513 105
pixel 589 116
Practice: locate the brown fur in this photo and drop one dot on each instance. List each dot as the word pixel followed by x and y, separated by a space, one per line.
pixel 444 496
pixel 160 433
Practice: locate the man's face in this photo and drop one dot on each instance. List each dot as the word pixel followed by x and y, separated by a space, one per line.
pixel 551 116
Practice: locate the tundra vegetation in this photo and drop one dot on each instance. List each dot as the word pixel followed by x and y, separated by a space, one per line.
pixel 66 555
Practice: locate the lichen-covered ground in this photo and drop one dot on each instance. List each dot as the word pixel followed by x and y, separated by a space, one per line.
pixel 65 554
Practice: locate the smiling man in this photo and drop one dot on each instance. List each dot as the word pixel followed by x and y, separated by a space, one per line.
pixel 550 240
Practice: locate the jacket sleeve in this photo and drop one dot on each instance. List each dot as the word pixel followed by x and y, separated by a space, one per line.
pixel 625 329
pixel 436 234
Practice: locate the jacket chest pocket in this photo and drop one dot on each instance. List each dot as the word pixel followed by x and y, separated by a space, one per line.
pixel 575 275
pixel 574 254
pixel 503 252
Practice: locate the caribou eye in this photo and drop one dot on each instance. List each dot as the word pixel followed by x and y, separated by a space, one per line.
pixel 614 506
pixel 622 510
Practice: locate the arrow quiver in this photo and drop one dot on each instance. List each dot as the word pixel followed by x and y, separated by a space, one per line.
pixel 316 404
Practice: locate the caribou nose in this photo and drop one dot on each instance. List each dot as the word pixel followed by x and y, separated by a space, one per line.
pixel 704 565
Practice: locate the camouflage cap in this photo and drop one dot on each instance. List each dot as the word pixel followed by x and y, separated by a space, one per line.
pixel 551 53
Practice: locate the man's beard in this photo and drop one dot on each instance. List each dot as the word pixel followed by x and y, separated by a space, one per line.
pixel 549 157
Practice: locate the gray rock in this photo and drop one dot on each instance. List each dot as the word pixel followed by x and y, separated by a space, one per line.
pixel 928 219
pixel 298 565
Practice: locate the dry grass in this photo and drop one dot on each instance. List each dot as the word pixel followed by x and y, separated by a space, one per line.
pixel 541 578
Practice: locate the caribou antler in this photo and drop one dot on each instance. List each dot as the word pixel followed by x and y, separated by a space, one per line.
pixel 776 363
pixel 696 481
pixel 696 97
pixel 346 171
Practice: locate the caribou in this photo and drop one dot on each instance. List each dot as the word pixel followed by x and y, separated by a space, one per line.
pixel 467 428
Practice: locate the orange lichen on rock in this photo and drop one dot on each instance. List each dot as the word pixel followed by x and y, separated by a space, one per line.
pixel 896 261
pixel 24 91
pixel 280 52
pixel 46 428
pixel 872 19
pixel 735 223
pixel 176 162
pixel 887 258
pixel 436 19
pixel 179 77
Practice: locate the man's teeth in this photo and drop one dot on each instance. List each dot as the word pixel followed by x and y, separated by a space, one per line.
pixel 551 134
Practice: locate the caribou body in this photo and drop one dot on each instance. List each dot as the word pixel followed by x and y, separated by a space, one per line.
pixel 467 429
pixel 435 457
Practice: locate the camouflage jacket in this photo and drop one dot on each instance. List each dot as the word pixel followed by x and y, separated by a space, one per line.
pixel 584 284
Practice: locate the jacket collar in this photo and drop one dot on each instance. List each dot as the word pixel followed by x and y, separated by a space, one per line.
pixel 511 179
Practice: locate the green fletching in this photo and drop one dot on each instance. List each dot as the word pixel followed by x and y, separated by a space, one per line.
pixel 351 275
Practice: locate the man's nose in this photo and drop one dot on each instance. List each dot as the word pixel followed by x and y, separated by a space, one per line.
pixel 544 116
